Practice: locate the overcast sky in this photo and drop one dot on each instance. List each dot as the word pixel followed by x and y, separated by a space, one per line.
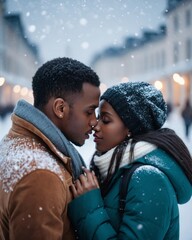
pixel 82 28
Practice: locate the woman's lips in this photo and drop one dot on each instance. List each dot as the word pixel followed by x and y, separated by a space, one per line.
pixel 97 138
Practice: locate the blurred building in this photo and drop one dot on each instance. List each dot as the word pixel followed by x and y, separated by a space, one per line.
pixel 162 57
pixel 19 59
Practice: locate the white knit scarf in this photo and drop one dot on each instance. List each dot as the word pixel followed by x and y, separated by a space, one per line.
pixel 103 161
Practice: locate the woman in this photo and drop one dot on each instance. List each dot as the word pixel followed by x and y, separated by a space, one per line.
pixel 128 131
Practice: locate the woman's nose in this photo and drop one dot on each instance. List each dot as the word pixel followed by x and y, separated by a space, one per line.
pixel 96 128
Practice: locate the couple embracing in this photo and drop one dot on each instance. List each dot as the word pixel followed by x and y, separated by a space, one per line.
pixel 47 192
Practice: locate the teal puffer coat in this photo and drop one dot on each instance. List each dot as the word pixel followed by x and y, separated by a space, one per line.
pixel 151 211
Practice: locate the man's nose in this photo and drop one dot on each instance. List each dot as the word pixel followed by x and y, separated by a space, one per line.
pixel 93 121
pixel 96 128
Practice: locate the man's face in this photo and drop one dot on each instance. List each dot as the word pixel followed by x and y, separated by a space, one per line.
pixel 81 116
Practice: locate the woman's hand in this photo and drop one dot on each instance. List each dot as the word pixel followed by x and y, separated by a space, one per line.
pixel 85 183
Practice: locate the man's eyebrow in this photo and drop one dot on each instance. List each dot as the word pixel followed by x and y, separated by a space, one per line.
pixel 93 106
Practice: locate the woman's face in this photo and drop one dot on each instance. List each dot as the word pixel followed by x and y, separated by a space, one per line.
pixel 110 130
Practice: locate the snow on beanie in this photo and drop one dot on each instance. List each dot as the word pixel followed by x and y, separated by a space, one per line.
pixel 140 106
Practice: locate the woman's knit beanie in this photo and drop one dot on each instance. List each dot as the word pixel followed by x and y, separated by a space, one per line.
pixel 140 106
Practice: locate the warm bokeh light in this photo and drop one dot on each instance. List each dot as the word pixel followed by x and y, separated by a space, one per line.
pixel 124 79
pixel 158 85
pixel 178 79
pixel 2 81
pixel 24 91
pixel 16 89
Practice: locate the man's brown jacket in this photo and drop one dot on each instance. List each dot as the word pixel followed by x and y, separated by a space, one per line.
pixel 34 186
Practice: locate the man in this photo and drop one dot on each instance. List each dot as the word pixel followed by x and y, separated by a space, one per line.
pixel 37 162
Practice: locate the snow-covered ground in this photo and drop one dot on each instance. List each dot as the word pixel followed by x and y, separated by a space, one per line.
pixel 175 122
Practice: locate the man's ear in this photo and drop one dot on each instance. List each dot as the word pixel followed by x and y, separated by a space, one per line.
pixel 60 107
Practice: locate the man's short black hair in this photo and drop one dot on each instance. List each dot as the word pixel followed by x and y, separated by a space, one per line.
pixel 59 77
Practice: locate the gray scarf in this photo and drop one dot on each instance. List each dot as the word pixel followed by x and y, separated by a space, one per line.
pixel 31 114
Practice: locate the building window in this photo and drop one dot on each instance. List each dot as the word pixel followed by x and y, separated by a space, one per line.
pixel 189 49
pixel 176 23
pixel 176 53
pixel 188 17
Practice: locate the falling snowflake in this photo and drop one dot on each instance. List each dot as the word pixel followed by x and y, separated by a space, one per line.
pixel 83 22
pixel 85 45
pixel 32 28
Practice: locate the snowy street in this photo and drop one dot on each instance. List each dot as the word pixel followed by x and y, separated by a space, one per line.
pixel 175 122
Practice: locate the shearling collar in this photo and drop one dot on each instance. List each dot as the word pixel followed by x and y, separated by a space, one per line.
pixel 22 127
